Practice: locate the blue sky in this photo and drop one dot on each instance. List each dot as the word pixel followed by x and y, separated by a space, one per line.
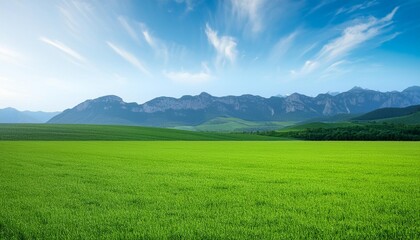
pixel 55 54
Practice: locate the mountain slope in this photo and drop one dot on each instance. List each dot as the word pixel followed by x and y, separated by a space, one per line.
pixel 226 124
pixel 389 113
pixel 195 110
pixel 411 119
pixel 11 115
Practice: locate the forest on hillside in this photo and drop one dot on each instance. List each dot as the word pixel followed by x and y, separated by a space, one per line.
pixel 371 132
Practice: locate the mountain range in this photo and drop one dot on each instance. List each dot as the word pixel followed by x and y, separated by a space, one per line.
pixel 11 115
pixel 194 110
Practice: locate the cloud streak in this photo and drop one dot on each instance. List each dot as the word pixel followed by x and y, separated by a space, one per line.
pixel 130 58
pixel 283 45
pixel 357 7
pixel 127 27
pixel 225 46
pixel 254 16
pixel 351 38
pixel 65 49
pixel 158 46
pixel 77 14
pixel 249 11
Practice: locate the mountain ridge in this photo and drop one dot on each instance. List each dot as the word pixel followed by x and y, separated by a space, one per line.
pixel 194 110
pixel 12 115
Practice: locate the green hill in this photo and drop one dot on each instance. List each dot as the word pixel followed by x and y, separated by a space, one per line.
pixel 408 119
pixel 115 133
pixel 226 124
pixel 315 125
pixel 342 117
pixel 383 113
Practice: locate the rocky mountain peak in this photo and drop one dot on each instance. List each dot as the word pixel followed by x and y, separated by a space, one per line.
pixel 204 95
pixel 296 97
pixel 357 89
pixel 101 100
pixel 108 98
pixel 333 93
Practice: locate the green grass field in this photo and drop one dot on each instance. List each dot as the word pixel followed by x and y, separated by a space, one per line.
pixel 209 190
pixel 113 132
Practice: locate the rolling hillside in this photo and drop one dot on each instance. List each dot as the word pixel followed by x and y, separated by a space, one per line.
pixel 57 132
pixel 383 113
pixel 223 124
pixel 315 125
pixel 412 119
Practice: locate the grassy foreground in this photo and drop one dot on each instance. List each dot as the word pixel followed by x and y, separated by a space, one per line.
pixel 209 190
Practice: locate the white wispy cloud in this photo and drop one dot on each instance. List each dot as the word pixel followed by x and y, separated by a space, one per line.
pixel 308 66
pixel 149 39
pixel 357 7
pixel 320 5
pixel 127 27
pixel 254 16
pixel 283 45
pixel 65 49
pixel 335 69
pixel 190 77
pixel 140 32
pixel 250 11
pixel 225 46
pixel 77 14
pixel 9 55
pixel 159 47
pixel 129 57
pixel 389 38
pixel 355 35
pixel 308 49
pixel 351 38
pixel 334 66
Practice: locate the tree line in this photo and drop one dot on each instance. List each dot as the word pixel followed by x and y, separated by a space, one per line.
pixel 372 132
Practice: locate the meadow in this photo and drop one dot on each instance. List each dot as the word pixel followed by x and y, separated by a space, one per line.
pixel 85 132
pixel 209 190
